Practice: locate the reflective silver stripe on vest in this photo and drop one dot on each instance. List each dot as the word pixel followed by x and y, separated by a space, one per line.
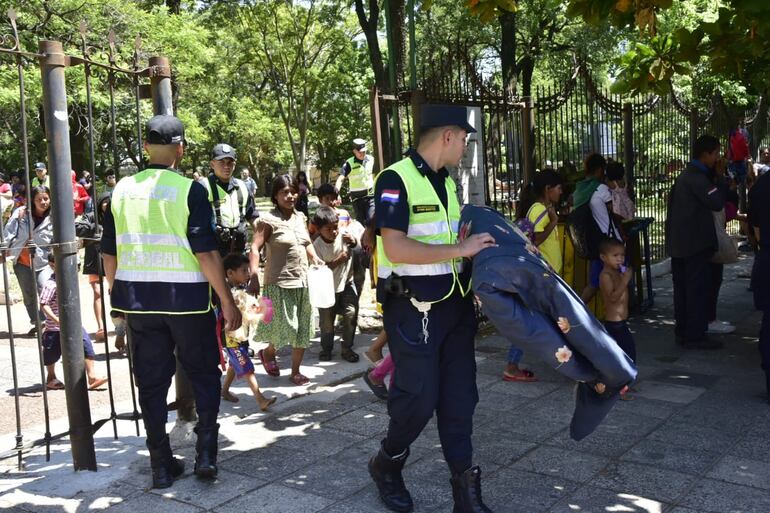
pixel 419 270
pixel 437 228
pixel 160 276
pixel 156 239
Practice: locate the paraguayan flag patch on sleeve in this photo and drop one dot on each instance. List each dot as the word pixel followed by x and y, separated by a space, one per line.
pixel 390 195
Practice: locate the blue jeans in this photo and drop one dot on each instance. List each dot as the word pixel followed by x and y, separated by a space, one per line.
pixel 514 355
pixel 31 283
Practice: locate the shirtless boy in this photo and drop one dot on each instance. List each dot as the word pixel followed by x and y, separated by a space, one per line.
pixel 613 283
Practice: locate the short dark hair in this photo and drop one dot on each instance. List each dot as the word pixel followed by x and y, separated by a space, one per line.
pixel 326 189
pixel 616 171
pixel 595 161
pixel 234 261
pixel 704 144
pixel 607 244
pixel 324 215
pixel 281 181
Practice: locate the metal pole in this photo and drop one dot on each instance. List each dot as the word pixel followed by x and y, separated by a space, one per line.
pixel 528 138
pixel 628 144
pixel 52 66
pixel 163 105
pixel 160 83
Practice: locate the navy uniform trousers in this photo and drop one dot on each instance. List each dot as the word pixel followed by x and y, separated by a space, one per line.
pixel 439 375
pixel 153 339
pixel 760 284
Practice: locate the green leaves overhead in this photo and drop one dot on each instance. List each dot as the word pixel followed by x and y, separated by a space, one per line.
pixel 735 43
pixel 487 10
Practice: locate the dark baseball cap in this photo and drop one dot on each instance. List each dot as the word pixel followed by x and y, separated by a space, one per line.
pixel 165 130
pixel 223 151
pixel 40 165
pixel 434 115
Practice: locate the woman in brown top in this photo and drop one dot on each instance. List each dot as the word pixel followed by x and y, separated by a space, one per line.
pixel 283 231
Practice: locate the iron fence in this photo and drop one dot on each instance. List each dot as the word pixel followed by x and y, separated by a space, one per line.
pixel 98 112
pixel 560 125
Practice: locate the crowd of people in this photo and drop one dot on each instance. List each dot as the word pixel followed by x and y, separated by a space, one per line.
pixel 196 272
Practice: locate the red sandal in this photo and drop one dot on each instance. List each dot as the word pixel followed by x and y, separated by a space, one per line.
pixel 299 379
pixel 525 376
pixel 271 366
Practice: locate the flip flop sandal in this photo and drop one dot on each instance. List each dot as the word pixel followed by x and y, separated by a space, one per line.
pixel 54 384
pixel 271 367
pixel 526 376
pixel 350 356
pixel 299 380
pixel 97 383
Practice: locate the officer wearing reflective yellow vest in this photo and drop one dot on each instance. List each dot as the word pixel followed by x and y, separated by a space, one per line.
pixel 233 204
pixel 428 312
pixel 358 170
pixel 161 260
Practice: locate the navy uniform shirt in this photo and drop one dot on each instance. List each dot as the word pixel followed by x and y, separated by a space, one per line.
pixel 392 211
pixel 200 233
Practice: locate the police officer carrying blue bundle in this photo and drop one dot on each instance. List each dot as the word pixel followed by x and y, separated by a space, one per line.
pixel 161 260
pixel 428 313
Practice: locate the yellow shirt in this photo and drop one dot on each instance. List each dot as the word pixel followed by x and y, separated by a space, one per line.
pixel 550 247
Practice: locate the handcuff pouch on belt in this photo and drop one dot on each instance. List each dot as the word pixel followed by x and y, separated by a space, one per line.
pixel 394 284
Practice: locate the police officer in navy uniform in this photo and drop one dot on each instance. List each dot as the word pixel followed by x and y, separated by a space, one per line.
pixel 231 199
pixel 161 260
pixel 428 312
pixel 359 171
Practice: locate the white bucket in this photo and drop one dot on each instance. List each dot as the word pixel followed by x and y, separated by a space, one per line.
pixel 320 283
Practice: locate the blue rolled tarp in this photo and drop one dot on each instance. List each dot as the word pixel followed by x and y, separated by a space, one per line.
pixel 538 312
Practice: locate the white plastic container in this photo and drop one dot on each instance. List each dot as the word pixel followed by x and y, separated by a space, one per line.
pixel 320 283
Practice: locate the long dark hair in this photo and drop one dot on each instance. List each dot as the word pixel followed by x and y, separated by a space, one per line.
pixel 279 183
pixel 536 189
pixel 40 189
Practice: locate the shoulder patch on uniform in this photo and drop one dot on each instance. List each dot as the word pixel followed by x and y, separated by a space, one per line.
pixel 423 209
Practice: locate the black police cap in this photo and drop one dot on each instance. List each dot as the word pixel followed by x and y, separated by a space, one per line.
pixel 164 130
pixel 434 115
pixel 223 151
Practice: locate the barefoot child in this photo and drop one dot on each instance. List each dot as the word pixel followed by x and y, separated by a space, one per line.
pixel 239 364
pixel 613 283
pixel 52 340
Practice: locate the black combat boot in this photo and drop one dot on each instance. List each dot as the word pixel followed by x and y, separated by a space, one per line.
pixel 206 446
pixel 466 490
pixel 386 473
pixel 165 468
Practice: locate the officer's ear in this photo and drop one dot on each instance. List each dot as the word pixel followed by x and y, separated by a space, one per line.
pixel 179 151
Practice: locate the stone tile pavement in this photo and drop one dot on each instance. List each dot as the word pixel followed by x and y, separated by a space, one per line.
pixel 695 439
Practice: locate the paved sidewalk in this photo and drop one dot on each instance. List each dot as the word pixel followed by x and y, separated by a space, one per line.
pixel 696 438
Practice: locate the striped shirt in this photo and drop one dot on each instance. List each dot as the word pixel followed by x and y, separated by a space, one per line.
pixel 48 297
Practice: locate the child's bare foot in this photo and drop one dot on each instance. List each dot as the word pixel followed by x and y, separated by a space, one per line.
pixel 373 356
pixel 94 383
pixel 227 396
pixel 265 403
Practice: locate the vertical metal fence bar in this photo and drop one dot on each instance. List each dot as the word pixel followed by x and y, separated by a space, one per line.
pixel 97 206
pixel 135 416
pixel 30 243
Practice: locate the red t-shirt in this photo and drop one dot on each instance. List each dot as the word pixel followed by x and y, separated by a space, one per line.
pixel 81 198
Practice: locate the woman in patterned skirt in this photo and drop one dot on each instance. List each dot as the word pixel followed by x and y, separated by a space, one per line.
pixel 283 231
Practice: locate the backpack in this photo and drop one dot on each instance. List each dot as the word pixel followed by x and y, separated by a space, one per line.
pixel 584 232
pixel 739 146
pixel 527 226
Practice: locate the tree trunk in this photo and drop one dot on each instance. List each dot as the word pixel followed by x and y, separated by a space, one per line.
pixel 174 6
pixel 397 27
pixel 508 51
